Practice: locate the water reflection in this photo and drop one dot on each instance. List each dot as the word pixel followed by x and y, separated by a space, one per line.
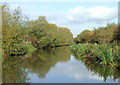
pixel 12 71
pixel 75 71
pixel 55 65
pixel 41 61
pixel 105 72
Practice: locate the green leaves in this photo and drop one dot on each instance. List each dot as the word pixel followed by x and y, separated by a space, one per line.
pixel 17 30
pixel 100 35
pixel 49 35
pixel 105 54
pixel 12 31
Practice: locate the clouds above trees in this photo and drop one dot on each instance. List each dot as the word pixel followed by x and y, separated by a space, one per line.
pixel 80 15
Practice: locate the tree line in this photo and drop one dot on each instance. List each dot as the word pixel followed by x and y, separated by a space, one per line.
pixel 18 31
pixel 101 35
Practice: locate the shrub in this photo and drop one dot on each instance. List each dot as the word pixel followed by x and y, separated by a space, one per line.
pixel 103 53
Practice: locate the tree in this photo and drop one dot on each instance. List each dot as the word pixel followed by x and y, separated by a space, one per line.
pixel 84 37
pixel 13 35
pixel 106 34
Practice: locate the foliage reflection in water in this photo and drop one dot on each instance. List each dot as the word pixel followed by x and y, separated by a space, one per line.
pixel 12 70
pixel 105 71
pixel 55 65
pixel 40 62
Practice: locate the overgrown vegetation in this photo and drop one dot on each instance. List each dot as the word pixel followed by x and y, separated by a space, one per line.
pixel 100 45
pixel 17 29
pixel 13 31
pixel 102 53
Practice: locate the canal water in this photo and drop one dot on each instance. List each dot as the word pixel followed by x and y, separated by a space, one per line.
pixel 56 65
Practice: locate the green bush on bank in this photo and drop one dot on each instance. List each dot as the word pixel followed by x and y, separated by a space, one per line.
pixel 13 34
pixel 102 53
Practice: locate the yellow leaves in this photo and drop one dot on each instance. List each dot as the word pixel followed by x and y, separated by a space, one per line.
pixel 91 33
pixel 12 40
pixel 53 25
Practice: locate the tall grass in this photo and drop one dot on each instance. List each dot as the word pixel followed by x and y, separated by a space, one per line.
pixel 102 53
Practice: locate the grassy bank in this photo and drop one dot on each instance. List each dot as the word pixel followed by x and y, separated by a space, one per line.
pixel 100 53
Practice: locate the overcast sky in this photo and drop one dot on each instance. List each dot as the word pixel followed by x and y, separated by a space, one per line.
pixel 77 16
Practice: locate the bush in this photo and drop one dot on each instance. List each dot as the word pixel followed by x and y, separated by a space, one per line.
pixel 13 34
pixel 103 53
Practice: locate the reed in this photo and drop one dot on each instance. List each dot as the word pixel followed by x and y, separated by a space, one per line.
pixel 102 53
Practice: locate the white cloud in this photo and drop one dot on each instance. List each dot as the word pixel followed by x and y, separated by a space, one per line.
pixel 99 14
pixel 80 15
pixel 74 69
pixel 77 15
pixel 77 19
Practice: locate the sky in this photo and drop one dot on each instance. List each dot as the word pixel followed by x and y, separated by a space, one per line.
pixel 75 15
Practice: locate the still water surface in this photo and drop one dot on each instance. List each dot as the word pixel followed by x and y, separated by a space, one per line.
pixel 56 65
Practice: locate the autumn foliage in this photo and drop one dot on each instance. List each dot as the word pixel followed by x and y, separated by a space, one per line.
pixel 17 29
pixel 108 34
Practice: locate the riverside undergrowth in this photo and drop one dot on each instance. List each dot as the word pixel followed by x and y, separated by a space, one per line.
pixel 102 53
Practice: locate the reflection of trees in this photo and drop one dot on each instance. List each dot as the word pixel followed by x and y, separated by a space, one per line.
pixel 42 60
pixel 102 71
pixel 12 71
